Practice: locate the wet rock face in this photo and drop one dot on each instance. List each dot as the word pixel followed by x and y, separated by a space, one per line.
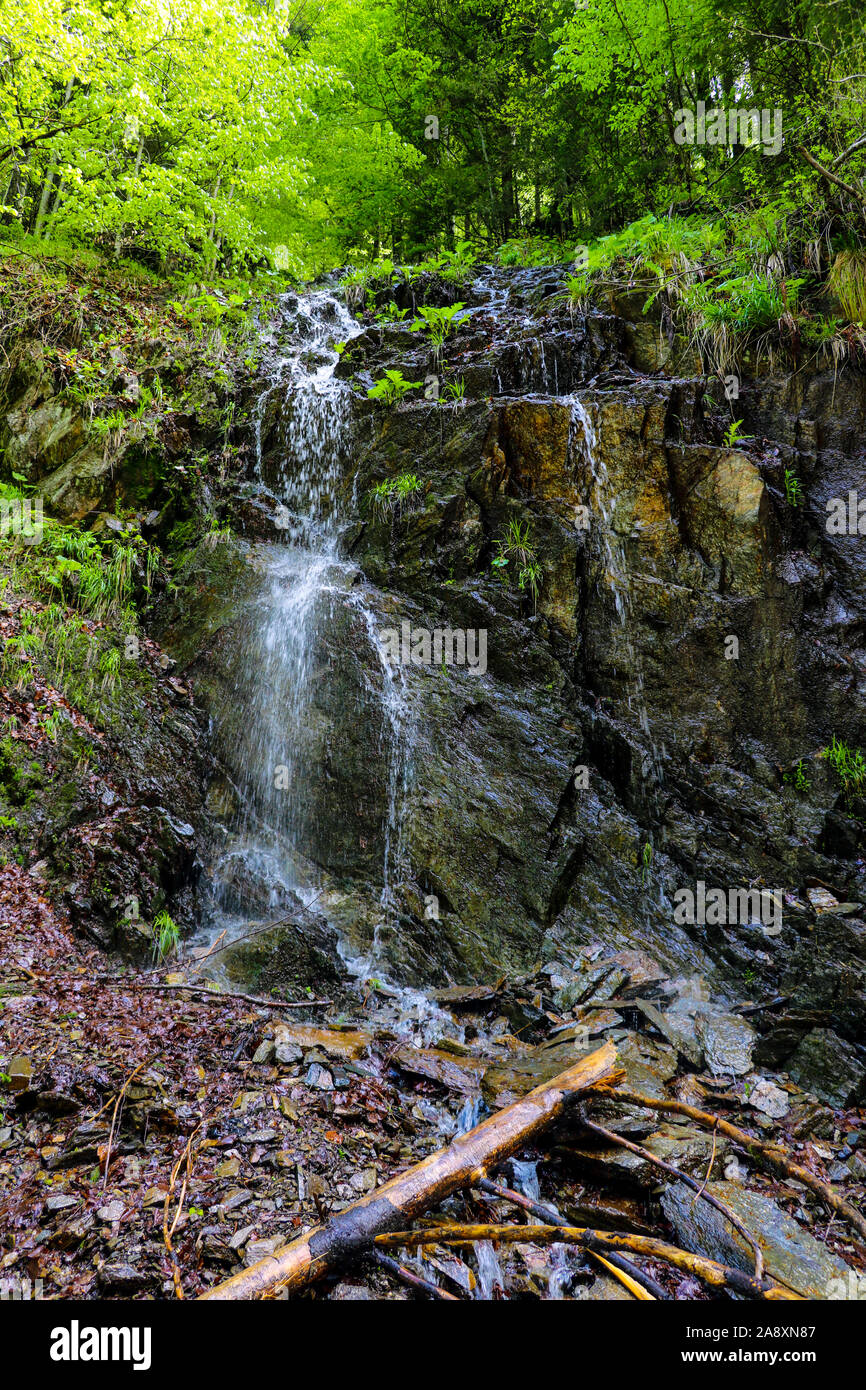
pixel 110 817
pixel 666 638
pixel 689 545
pixel 296 958
pixel 825 1065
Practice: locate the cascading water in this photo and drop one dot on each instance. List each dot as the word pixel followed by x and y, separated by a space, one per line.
pixel 280 726
pixel 305 586
pixel 583 436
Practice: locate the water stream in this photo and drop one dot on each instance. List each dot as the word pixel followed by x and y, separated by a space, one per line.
pixel 307 588
pixel 584 436
pixel 305 585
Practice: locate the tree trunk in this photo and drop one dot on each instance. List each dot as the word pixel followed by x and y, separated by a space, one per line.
pixel 118 240
pixel 46 193
pixel 49 176
pixel 401 1199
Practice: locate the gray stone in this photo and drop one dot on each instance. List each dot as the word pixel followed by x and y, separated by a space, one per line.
pixel 121 1278
pixel 769 1098
pixel 678 1026
pixel 111 1212
pixel 828 1067
pixel 791 1254
pixel 260 1249
pixel 61 1202
pixel 319 1077
pixel 727 1040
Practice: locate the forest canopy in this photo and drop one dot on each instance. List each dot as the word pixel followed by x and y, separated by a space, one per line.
pixel 201 137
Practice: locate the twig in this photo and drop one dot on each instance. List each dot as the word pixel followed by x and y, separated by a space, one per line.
pixel 635 1289
pixel 167 1232
pixel 196 961
pixel 216 996
pixel 715 1274
pixel 846 154
pixel 639 1275
pixel 121 1093
pixel 771 1154
pixel 260 928
pixel 855 193
pixel 612 1138
pixel 507 1194
pixel 709 1173
pixel 414 1281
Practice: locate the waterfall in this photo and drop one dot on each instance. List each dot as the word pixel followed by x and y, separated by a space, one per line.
pixel 584 438
pixel 303 443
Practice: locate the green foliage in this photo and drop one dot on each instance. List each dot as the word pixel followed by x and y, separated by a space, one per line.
pixel 516 548
pixel 793 489
pixel 646 860
pixel 76 605
pixel 746 303
pixel 391 314
pixel 531 250
pixel 52 724
pixel 848 283
pixel 576 290
pixel 394 496
pixel 849 766
pixel 391 388
pixel 206 138
pixel 733 435
pixel 438 321
pixel 358 283
pixel 796 778
pixel 164 131
pixel 166 936
pixel 454 390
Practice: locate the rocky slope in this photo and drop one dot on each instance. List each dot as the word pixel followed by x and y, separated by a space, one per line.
pixel 538 817
pixel 657 545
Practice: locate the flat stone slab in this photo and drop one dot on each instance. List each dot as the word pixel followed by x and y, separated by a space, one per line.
pixel 791 1254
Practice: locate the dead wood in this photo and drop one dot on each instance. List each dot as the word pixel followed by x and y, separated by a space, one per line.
pixel 699 1188
pixel 216 996
pixel 420 1187
pixel 772 1154
pixel 717 1275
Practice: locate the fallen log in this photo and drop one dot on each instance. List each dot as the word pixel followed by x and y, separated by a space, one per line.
pixel 398 1201
pixel 718 1276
